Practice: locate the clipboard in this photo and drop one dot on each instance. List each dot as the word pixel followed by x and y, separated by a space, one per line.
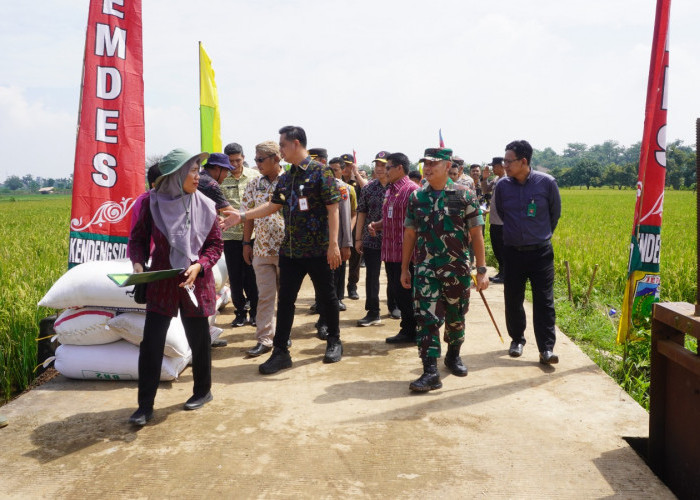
pixel 127 279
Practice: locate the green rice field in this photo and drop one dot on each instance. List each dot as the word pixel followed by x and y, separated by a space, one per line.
pixel 594 229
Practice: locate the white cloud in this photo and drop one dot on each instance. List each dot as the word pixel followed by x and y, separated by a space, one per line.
pixel 32 126
pixel 366 74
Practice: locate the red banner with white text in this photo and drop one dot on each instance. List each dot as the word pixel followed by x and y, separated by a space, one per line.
pixel 109 171
pixel 643 279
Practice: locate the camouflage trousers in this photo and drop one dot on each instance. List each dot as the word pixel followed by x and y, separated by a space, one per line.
pixel 438 301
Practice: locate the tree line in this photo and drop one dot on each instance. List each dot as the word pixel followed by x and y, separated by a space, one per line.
pixel 32 184
pixel 608 164
pixel 612 165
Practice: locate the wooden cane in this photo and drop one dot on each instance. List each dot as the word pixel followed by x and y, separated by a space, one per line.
pixel 493 320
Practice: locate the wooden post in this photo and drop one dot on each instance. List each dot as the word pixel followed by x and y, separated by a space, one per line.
pixel 590 286
pixel 568 279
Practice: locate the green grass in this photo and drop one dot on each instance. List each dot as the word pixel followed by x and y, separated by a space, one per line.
pixel 33 255
pixel 595 228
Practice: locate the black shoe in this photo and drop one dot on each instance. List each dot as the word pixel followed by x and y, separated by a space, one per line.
pixel 279 360
pixel 496 279
pixel 140 417
pixel 219 343
pixel 239 320
pixel 369 320
pixel 334 351
pixel 395 313
pixel 195 403
pixel 352 294
pixel 258 350
pixel 548 358
pixel 454 363
pixel 322 332
pixel 251 320
pixel 516 349
pixel 313 308
pixel 430 379
pixel 341 306
pixel 401 338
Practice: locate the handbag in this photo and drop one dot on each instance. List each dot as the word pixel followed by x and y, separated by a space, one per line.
pixel 139 291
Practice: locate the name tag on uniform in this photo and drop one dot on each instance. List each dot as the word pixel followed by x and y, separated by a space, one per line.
pixel 390 212
pixel 303 204
pixel 531 209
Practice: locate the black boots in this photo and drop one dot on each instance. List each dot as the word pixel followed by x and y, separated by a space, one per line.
pixel 430 379
pixel 279 360
pixel 453 362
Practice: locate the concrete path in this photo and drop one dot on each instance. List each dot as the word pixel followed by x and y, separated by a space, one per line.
pixel 511 429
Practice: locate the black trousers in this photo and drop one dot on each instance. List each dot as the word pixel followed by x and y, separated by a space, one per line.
pixel 241 277
pixel 339 280
pixel 403 296
pixel 496 234
pixel 292 273
pixel 537 266
pixel 353 269
pixel 151 355
pixel 373 264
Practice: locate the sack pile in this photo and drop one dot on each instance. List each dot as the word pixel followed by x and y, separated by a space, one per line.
pixel 101 326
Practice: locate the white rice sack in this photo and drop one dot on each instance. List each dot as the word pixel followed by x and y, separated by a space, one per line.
pixel 215 332
pixel 220 272
pixel 115 361
pixel 129 326
pixel 88 285
pixel 85 326
pixel 223 297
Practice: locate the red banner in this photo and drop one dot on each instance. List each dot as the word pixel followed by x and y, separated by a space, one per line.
pixel 110 152
pixel 643 280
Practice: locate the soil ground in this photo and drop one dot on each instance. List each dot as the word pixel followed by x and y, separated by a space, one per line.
pixel 511 429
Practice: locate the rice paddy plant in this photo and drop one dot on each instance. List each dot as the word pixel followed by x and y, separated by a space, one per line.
pixel 595 228
pixel 33 255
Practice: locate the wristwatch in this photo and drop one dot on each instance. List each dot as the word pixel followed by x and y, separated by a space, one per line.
pixel 249 243
pixel 481 270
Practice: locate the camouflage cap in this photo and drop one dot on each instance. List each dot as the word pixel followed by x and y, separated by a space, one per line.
pixel 437 154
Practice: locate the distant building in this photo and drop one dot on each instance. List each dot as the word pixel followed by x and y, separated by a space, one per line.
pixel 46 190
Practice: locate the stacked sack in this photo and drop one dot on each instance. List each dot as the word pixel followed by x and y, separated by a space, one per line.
pixel 101 327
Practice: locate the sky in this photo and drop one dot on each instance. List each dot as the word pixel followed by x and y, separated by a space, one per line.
pixel 363 75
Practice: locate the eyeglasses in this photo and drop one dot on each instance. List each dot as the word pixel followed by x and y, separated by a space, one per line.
pixel 508 162
pixel 260 160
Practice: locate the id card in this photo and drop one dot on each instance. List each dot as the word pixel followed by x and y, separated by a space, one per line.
pixel 303 204
pixel 531 209
pixel 390 212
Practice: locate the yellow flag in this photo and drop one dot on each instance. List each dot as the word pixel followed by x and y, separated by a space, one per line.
pixel 209 118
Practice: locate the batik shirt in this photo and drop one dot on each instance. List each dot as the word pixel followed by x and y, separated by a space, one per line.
pixel 304 191
pixel 233 189
pixel 371 201
pixel 442 220
pixel 269 231
pixel 393 215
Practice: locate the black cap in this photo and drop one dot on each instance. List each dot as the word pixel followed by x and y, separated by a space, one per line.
pixel 497 160
pixel 381 156
pixel 318 153
pixel 347 158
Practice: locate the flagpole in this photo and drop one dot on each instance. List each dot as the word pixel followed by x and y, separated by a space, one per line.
pixel 199 79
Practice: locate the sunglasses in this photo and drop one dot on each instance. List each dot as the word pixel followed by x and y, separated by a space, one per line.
pixel 260 160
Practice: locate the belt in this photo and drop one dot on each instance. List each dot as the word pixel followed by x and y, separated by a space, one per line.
pixel 528 248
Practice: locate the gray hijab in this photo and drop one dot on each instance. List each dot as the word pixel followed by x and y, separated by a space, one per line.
pixel 185 219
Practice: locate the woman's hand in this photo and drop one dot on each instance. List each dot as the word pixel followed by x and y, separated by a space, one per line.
pixel 138 268
pixel 191 274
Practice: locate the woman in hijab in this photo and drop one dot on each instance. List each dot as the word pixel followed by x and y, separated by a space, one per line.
pixel 186 233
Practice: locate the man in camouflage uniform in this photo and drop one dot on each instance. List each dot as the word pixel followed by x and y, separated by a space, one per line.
pixel 439 220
